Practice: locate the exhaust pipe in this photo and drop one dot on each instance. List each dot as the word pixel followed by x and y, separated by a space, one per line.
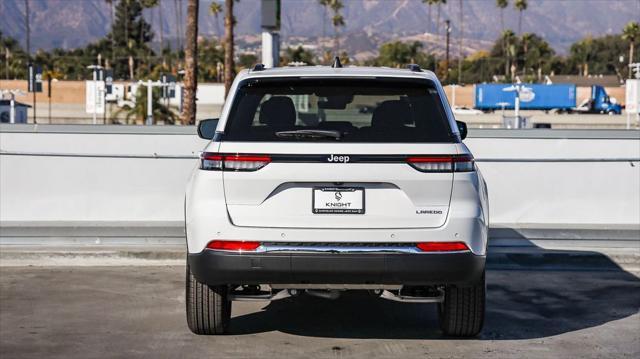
pixel 326 294
pixel 439 298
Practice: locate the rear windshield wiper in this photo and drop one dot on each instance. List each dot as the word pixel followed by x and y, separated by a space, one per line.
pixel 301 134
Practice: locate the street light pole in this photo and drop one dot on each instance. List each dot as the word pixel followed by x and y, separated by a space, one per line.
pixel 95 69
pixel 95 95
pixel 149 103
pixel 50 81
pixel 49 95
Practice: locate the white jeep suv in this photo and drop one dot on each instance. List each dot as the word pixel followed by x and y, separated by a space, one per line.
pixel 319 180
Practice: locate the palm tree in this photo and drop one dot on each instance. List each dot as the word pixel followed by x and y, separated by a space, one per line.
pixel 229 22
pixel 502 4
pixel 526 39
pixel 510 40
pixel 161 32
pixel 191 64
pixel 337 21
pixel 215 9
pixel 177 6
pixel 521 6
pixel 631 33
pixel 324 4
pixel 430 4
pixel 438 4
pixel 113 44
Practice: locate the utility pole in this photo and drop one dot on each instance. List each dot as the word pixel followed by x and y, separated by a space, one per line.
pixel 26 19
pixel 446 59
pixel 460 57
pixel 31 69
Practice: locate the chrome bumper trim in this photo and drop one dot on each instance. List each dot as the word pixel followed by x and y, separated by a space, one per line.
pixel 345 249
pixel 270 248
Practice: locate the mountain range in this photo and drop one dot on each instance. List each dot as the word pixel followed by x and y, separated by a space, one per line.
pixel 74 23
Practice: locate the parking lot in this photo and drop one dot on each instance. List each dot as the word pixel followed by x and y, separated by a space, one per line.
pixel 534 311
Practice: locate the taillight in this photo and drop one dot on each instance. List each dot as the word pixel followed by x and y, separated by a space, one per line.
pixel 460 163
pixel 210 161
pixel 225 162
pixel 463 163
pixel 442 246
pixel 245 162
pixel 240 246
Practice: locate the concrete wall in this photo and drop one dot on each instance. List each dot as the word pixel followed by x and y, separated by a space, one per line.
pixel 87 175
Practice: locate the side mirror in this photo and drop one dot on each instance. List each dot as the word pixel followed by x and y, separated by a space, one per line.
pixel 462 127
pixel 207 128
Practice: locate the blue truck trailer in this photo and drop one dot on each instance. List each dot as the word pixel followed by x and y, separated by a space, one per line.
pixel 491 97
pixel 560 97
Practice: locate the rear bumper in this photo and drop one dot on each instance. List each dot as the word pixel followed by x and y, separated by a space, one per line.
pixel 218 267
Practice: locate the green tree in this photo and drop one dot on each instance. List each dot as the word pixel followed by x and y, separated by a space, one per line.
pixel 521 6
pixel 131 35
pixel 478 67
pixel 14 58
pixel 400 54
pixel 210 54
pixel 631 33
pixel 535 54
pixel 581 52
pixel 247 60
pixel 528 52
pixel 298 54
pixel 600 55
pixel 138 113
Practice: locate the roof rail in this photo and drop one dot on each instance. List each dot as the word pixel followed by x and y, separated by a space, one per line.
pixel 336 63
pixel 414 67
pixel 258 67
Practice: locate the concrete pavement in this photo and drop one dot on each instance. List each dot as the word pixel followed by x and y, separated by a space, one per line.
pixel 534 311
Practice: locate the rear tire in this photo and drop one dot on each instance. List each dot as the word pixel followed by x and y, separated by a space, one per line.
pixel 208 307
pixel 462 311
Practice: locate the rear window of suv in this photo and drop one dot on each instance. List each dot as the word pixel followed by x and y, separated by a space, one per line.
pixel 345 110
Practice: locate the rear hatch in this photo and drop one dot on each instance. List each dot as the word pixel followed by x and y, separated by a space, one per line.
pixel 337 154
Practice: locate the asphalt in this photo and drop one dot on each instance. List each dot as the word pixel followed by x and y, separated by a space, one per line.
pixel 535 309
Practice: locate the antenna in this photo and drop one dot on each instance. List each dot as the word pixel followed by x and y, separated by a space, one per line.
pixel 414 67
pixel 336 63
